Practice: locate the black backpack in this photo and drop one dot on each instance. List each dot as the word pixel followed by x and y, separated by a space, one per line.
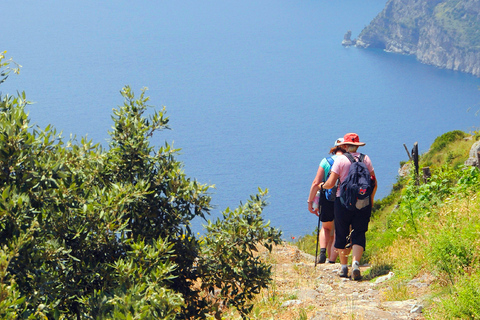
pixel 330 194
pixel 357 187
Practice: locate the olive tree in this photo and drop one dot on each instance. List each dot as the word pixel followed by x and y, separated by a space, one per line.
pixel 88 233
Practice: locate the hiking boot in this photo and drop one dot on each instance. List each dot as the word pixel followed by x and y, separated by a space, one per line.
pixel 343 273
pixel 356 272
pixel 322 258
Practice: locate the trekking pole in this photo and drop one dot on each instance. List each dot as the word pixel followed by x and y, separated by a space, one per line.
pixel 319 208
pixel 318 236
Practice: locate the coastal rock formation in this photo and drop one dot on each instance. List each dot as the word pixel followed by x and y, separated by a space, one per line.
pixel 347 39
pixel 444 33
pixel 473 159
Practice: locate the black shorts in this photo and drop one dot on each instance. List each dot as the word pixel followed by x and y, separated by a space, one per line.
pixel 345 218
pixel 327 211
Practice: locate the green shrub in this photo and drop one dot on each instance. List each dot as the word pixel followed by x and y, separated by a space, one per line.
pixel 229 261
pixel 88 233
pixel 451 252
pixel 462 302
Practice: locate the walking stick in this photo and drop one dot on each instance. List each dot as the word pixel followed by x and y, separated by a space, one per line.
pixel 318 236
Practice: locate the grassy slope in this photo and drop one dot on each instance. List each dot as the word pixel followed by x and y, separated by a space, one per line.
pixel 430 230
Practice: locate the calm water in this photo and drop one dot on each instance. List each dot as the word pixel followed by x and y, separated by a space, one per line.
pixel 256 91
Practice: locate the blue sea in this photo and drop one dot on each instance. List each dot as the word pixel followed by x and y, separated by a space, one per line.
pixel 256 91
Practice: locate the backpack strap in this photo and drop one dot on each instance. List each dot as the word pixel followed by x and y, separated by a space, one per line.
pixel 330 161
pixel 350 157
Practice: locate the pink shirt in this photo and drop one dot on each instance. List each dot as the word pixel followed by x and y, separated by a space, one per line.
pixel 342 165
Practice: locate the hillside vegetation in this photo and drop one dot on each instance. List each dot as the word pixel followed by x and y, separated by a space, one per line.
pixel 430 228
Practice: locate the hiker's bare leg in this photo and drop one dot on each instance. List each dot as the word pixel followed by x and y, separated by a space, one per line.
pixel 344 253
pixel 357 252
pixel 325 235
pixel 332 256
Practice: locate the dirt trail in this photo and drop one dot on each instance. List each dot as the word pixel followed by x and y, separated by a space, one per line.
pixel 321 294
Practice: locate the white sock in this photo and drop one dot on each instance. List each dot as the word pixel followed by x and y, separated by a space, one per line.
pixel 354 262
pixel 344 266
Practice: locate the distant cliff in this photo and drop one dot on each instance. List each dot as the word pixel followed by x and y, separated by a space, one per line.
pixel 444 33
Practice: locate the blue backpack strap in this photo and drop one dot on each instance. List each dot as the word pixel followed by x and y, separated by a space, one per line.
pixel 330 161
pixel 330 193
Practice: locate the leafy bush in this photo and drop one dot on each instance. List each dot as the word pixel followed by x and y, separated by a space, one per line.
pixel 418 200
pixel 229 262
pixel 5 67
pixel 94 234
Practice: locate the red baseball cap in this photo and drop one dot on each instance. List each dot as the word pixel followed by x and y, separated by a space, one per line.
pixel 352 138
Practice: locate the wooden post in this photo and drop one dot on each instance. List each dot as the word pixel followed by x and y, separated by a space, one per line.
pixel 426 174
pixel 408 153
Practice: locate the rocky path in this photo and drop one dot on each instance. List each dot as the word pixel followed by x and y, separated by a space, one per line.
pixel 318 293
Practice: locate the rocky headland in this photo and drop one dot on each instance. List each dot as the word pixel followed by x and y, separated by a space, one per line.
pixel 443 33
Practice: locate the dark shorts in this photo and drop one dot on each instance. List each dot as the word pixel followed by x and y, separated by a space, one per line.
pixel 327 211
pixel 345 218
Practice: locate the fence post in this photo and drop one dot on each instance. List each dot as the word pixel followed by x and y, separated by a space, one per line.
pixel 408 153
pixel 426 174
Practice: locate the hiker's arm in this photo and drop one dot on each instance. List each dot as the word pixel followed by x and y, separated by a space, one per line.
pixel 314 188
pixel 330 183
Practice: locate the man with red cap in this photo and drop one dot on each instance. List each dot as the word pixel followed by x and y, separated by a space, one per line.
pixel 350 225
